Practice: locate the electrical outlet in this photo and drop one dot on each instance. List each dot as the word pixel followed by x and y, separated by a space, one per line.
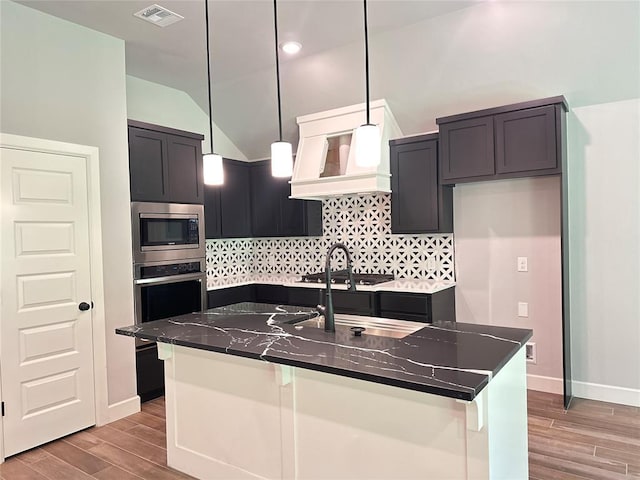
pixel 523 264
pixel 530 352
pixel 523 309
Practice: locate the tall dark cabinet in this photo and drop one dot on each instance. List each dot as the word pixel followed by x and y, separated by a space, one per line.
pixel 418 203
pixel 273 213
pixel 165 164
pixel 227 208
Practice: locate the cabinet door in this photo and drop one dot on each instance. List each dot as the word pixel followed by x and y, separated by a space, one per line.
pixel 148 165
pixel 414 187
pixel 235 210
pixel 229 296
pixel 357 303
pixel 274 294
pixel 186 182
pixel 266 192
pixel 526 140
pixel 466 149
pixel 212 214
pixel 305 296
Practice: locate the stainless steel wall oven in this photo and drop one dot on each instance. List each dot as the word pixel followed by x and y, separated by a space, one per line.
pixel 169 276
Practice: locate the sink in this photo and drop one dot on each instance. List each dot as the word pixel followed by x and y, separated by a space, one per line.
pixel 382 327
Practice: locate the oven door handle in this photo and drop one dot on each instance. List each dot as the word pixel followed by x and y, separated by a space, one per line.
pixel 170 279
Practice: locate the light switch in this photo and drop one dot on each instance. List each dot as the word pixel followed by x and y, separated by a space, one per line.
pixel 523 309
pixel 523 264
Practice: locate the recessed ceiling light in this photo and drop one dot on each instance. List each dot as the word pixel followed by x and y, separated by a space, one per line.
pixel 290 47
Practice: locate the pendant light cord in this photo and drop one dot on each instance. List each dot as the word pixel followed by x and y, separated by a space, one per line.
pixel 275 25
pixel 206 15
pixel 366 58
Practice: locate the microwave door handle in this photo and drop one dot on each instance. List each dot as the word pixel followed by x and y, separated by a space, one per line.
pixel 169 279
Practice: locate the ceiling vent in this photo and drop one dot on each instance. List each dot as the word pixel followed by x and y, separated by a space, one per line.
pixel 158 15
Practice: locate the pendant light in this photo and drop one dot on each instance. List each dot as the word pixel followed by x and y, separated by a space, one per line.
pixel 211 162
pixel 281 152
pixel 367 135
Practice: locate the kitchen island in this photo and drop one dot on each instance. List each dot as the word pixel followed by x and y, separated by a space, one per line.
pixel 249 395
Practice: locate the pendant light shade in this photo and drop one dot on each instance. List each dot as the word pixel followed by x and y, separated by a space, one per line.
pixel 281 151
pixel 367 135
pixel 281 159
pixel 211 162
pixel 213 171
pixel 367 145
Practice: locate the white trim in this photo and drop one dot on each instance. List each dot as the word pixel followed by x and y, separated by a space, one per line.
pixel 545 384
pixel 124 408
pixel 606 393
pixel 95 245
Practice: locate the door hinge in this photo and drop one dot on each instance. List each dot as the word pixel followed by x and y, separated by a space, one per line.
pixel 2 409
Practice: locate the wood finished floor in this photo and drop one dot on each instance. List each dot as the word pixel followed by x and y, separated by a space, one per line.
pixel 593 440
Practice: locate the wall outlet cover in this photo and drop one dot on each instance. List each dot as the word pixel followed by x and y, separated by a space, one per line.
pixel 523 309
pixel 530 352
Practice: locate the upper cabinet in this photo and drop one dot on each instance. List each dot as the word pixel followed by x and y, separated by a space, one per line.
pixel 227 209
pixel 273 213
pixel 165 164
pixel 418 203
pixel 520 140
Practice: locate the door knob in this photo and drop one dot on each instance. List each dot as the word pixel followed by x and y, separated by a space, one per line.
pixel 84 306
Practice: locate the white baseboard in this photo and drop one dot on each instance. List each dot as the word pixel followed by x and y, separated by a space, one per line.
pixel 545 384
pixel 606 393
pixel 124 408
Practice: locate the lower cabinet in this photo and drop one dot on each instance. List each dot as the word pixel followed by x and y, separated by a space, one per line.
pixel 227 296
pixel 418 307
pixel 264 293
pixel 149 373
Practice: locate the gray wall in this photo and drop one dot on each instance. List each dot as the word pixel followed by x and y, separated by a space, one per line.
pixel 63 82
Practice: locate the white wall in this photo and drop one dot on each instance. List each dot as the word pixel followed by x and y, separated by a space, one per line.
pixel 494 223
pixel 604 223
pixel 64 82
pixel 154 103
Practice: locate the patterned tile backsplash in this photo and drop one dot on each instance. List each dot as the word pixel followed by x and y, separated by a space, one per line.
pixel 362 223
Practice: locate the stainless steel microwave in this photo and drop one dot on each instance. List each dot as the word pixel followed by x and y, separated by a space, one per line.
pixel 167 231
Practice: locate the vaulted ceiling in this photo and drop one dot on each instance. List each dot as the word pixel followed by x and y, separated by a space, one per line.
pixel 428 58
pixel 243 57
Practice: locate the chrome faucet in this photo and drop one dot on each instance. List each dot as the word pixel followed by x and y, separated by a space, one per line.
pixel 327 309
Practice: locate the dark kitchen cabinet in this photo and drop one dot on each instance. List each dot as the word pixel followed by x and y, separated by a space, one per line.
pixel 227 207
pixel 355 303
pixel 149 373
pixel 344 301
pixel 230 295
pixel 273 213
pixel 305 297
pixel 418 307
pixel 165 164
pixel 511 141
pixel 419 204
pixel 275 294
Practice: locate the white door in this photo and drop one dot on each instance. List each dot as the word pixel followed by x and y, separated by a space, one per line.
pixel 45 339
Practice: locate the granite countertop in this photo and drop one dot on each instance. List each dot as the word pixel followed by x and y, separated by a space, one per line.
pixel 450 359
pixel 398 285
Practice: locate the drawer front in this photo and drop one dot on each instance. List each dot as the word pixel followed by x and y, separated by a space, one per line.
pixel 228 296
pixel 417 304
pixel 305 297
pixel 359 303
pixel 276 294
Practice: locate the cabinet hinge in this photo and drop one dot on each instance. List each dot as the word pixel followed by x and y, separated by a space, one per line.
pixel 2 409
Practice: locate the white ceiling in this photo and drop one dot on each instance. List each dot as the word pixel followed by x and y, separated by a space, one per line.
pixel 243 54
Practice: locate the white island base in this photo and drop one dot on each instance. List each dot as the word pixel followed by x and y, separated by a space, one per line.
pixel 230 417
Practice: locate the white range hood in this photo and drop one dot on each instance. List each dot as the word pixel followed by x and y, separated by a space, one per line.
pixel 325 161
